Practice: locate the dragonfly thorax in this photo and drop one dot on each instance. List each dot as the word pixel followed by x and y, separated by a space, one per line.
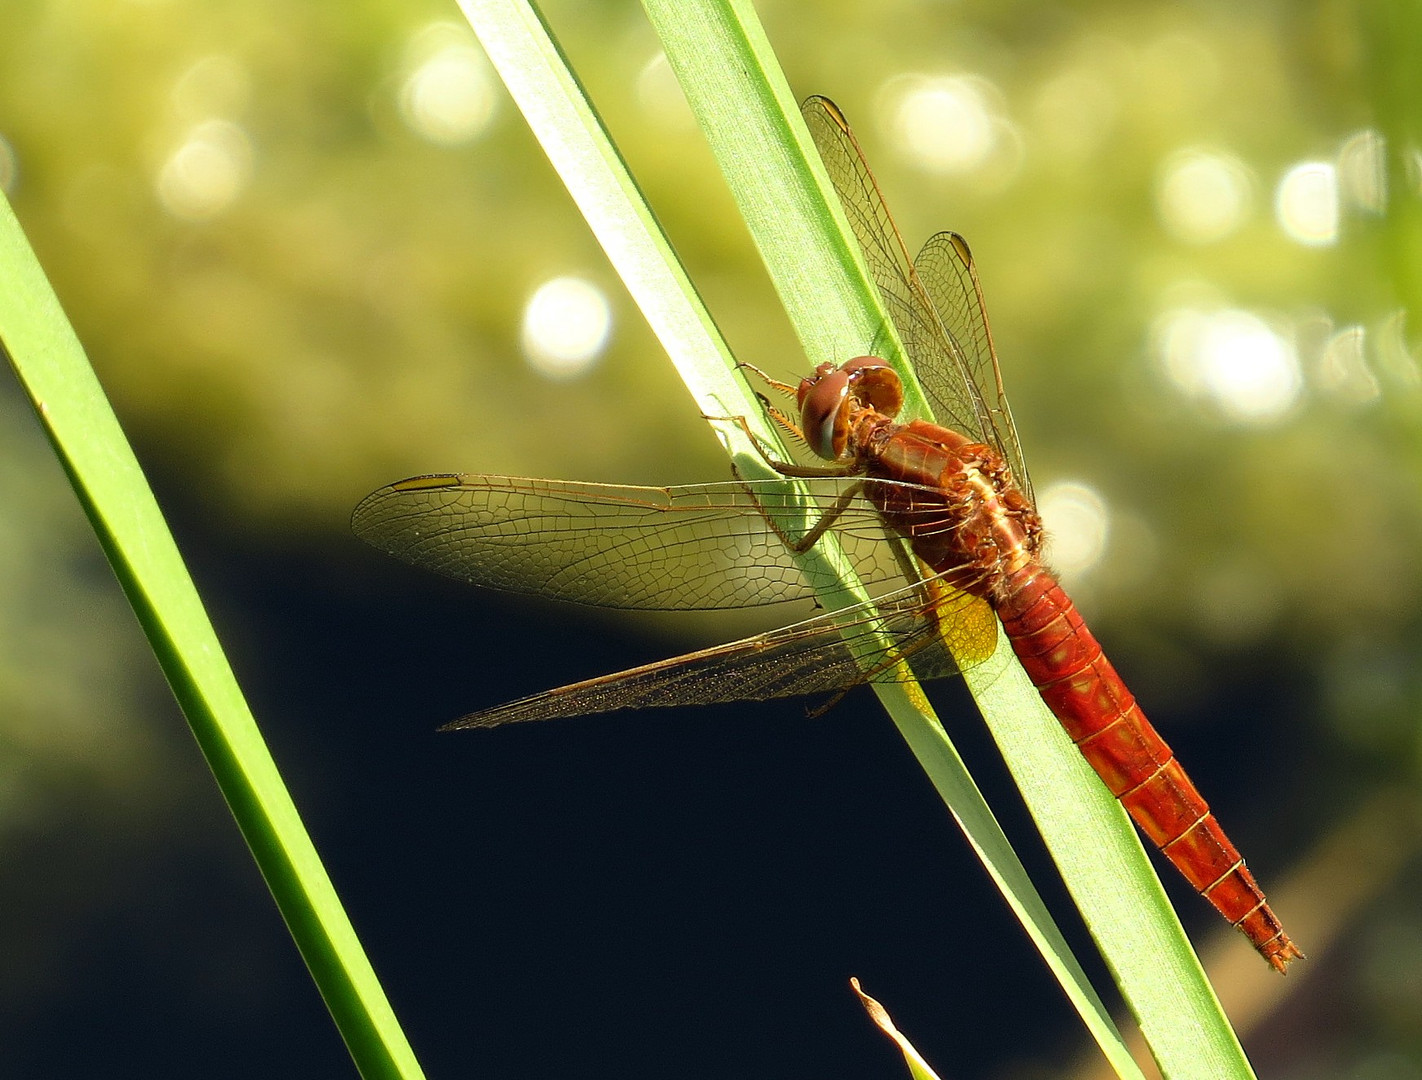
pixel 956 503
pixel 831 398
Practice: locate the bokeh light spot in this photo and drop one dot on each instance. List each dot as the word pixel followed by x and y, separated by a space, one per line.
pixel 943 124
pixel 1395 360
pixel 566 326
pixel 206 174
pixel 449 98
pixel 1234 359
pixel 217 85
pixel 1203 195
pixel 9 166
pixel 1078 525
pixel 1343 368
pixel 1306 203
pixel 1362 171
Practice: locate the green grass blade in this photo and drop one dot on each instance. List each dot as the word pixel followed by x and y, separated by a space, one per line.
pixel 735 87
pixel 51 365
pixel 567 126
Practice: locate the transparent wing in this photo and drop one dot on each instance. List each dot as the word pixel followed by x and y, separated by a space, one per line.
pixel 812 657
pixel 936 307
pixel 945 268
pixel 702 546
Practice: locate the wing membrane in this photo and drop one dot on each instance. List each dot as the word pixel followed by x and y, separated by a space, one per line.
pixel 936 304
pixel 945 267
pixel 817 656
pixel 703 546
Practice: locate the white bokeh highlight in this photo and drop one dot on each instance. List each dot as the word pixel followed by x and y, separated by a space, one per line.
pixel 207 173
pixel 1234 359
pixel 449 99
pixel 567 323
pixel 448 94
pixel 1343 371
pixel 1203 195
pixel 1395 361
pixel 1362 171
pixel 1306 203
pixel 1078 524
pixel 950 125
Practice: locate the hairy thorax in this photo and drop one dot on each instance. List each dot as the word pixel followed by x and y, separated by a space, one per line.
pixel 954 500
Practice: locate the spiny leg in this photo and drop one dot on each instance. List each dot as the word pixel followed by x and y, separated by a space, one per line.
pixel 777 415
pixel 812 536
pixel 790 469
pixel 788 389
pixel 785 468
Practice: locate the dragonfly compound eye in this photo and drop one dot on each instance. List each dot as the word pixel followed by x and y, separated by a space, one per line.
pixel 829 398
pixel 824 411
pixel 874 384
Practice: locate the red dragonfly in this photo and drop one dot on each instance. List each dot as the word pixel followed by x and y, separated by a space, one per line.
pixel 957 495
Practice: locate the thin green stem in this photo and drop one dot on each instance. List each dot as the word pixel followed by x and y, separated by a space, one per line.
pixel 51 365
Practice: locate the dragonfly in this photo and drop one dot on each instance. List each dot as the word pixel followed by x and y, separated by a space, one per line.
pixel 938 519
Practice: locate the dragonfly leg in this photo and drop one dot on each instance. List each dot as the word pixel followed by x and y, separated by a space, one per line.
pixel 786 388
pixel 763 448
pixel 780 420
pixel 776 414
pixel 827 519
pixel 767 452
pixel 813 534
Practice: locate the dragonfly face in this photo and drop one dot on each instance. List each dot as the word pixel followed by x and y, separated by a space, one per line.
pixel 831 398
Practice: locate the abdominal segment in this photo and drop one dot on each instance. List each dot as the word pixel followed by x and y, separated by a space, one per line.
pixel 1083 690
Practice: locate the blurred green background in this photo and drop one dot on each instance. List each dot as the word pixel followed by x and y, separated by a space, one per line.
pixel 313 248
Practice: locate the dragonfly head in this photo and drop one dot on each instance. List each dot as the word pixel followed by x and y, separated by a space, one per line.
pixel 832 395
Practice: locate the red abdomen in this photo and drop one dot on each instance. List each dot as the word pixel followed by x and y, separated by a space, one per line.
pixel 1081 687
